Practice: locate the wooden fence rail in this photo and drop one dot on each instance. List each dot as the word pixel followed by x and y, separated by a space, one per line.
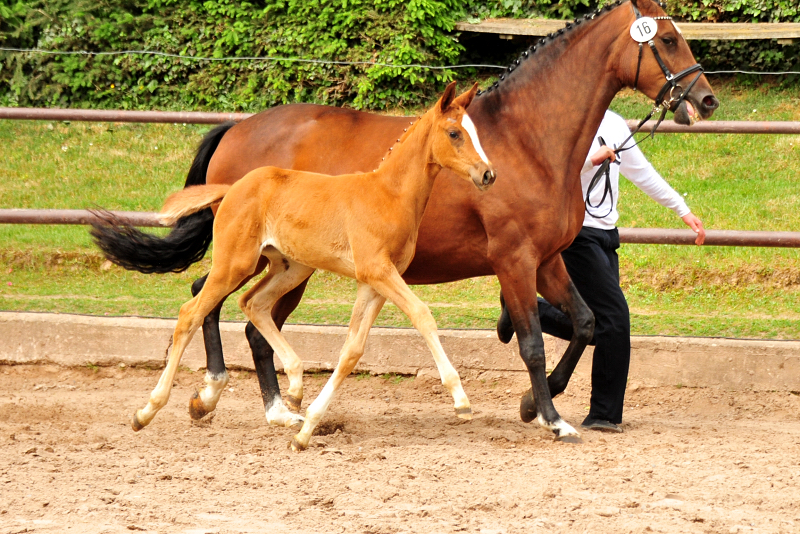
pixel 651 236
pixel 199 117
pixel 784 32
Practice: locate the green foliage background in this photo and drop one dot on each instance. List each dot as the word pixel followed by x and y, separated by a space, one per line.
pixel 379 31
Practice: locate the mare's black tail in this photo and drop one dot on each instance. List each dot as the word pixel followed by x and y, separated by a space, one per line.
pixel 186 243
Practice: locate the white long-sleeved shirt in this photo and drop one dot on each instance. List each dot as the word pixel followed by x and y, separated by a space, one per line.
pixel 634 166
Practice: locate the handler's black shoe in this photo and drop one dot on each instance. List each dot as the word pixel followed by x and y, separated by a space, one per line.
pixel 591 423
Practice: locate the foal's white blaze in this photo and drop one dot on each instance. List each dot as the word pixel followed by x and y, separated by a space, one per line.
pixel 469 126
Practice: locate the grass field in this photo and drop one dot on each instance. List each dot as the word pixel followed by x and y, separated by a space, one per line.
pixel 735 182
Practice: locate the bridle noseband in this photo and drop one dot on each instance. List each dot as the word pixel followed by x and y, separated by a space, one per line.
pixel 672 80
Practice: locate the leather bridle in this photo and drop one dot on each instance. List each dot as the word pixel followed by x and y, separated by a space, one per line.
pixel 668 89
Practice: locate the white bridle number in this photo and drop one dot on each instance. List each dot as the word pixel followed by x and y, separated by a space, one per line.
pixel 644 29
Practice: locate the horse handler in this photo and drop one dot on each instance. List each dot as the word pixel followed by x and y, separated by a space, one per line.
pixel 593 265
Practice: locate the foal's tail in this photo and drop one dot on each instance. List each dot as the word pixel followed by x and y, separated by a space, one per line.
pixel 191 200
pixel 186 243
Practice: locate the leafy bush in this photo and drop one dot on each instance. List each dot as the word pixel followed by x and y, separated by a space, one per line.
pixel 374 33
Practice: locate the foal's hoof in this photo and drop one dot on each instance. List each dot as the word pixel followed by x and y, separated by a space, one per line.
pixel 464 413
pixel 135 424
pixel 297 446
pixel 527 407
pixel 197 410
pixel 293 403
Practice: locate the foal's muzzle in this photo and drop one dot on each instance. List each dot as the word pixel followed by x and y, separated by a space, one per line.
pixel 483 175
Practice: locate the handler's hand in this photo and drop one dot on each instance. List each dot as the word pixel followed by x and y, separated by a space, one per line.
pixel 603 154
pixel 697 225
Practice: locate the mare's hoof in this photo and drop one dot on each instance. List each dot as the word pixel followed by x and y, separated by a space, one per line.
pixel 135 424
pixel 197 410
pixel 464 413
pixel 297 446
pixel 505 329
pixel 569 438
pixel 293 403
pixel 527 407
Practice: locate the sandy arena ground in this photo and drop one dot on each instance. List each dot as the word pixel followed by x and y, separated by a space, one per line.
pixel 393 458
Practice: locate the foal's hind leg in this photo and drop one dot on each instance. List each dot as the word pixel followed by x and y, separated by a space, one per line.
pixel 263 354
pixel 204 402
pixel 395 289
pixel 257 303
pixel 190 318
pixel 368 304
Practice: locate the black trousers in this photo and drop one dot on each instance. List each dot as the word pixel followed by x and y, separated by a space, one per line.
pixel 593 265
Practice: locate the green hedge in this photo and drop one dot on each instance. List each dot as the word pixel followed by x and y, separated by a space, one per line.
pixel 383 31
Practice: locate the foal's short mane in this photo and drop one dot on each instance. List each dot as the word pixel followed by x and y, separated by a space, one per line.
pixel 546 40
pixel 412 125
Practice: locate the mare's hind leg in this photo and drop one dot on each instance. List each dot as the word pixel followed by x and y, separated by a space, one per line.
pixel 263 353
pixel 257 303
pixel 395 289
pixel 368 304
pixel 556 287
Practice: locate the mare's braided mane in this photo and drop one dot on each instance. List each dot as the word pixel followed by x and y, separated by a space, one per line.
pixel 534 47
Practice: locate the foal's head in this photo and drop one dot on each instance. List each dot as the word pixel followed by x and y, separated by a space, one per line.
pixel 664 53
pixel 455 143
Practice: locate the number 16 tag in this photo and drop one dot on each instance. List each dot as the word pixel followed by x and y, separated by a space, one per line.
pixel 644 29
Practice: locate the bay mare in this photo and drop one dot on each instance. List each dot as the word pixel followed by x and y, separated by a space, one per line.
pixel 536 125
pixel 362 225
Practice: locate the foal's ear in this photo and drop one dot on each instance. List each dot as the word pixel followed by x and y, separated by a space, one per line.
pixel 465 98
pixel 447 98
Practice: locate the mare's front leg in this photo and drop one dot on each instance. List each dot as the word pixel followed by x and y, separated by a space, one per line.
pixel 519 292
pixel 395 289
pixel 554 284
pixel 368 304
pixel 263 353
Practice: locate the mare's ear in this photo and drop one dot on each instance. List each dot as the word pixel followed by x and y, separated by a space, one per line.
pixel 447 98
pixel 465 98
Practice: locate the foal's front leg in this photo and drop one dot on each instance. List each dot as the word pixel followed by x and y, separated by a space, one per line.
pixel 368 304
pixel 395 289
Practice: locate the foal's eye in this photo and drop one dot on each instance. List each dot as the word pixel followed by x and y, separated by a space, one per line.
pixel 454 134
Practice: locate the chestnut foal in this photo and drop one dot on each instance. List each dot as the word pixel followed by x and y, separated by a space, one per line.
pixel 363 226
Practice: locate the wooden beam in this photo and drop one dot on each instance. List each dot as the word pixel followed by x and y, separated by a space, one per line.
pixel 691 30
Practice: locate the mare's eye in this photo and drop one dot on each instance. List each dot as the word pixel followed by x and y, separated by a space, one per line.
pixel 669 41
pixel 454 134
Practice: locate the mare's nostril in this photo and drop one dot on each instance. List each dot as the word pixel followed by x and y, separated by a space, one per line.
pixel 711 102
pixel 487 177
